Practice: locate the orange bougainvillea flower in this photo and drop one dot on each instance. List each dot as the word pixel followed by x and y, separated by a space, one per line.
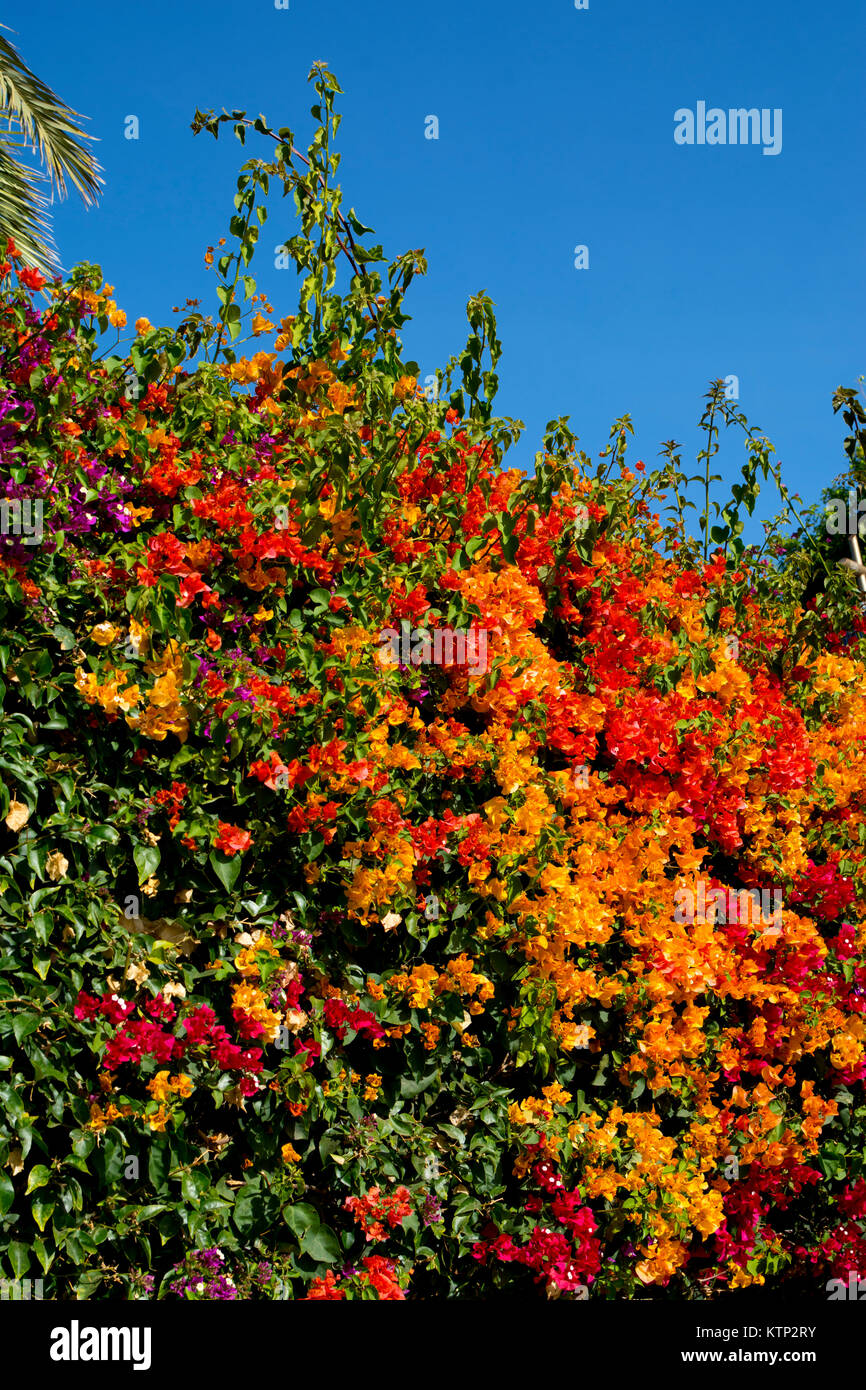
pixel 404 387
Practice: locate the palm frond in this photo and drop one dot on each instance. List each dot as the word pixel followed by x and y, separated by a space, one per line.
pixel 49 125
pixel 22 214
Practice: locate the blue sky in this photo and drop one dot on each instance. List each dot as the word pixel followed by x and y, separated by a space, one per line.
pixel 556 129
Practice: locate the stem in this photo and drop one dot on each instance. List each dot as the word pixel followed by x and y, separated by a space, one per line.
pixel 323 179
pixel 786 497
pixel 707 482
pixel 231 297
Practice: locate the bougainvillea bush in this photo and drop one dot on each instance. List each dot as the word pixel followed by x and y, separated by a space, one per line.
pixel 417 879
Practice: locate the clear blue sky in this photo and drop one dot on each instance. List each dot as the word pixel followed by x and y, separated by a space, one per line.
pixel 556 128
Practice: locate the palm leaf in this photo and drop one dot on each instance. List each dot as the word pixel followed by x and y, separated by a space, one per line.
pixel 51 128
pixel 22 213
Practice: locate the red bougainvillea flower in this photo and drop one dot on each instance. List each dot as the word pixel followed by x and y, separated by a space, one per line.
pixel 325 1288
pixel 268 772
pixel 373 1209
pixel 380 1273
pixel 232 839
pixel 31 278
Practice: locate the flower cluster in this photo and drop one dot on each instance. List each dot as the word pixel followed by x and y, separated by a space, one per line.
pixel 465 959
pixel 374 1209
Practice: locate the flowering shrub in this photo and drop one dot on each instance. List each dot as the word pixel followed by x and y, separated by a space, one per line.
pixel 379 979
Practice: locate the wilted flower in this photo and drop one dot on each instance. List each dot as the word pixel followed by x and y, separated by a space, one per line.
pixel 19 814
pixel 56 865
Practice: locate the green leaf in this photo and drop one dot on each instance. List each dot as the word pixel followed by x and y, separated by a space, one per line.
pixel 410 1087
pixel 191 1186
pixel 147 859
pixel 301 1218
pixel 45 1257
pixel 322 1245
pixel 88 1283
pixel 42 1210
pixel 102 834
pixel 75 1248
pixel 38 1177
pixel 7 1193
pixel 19 1258
pixel 24 1025
pixel 64 636
pixel 227 868
pixel 158 1165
